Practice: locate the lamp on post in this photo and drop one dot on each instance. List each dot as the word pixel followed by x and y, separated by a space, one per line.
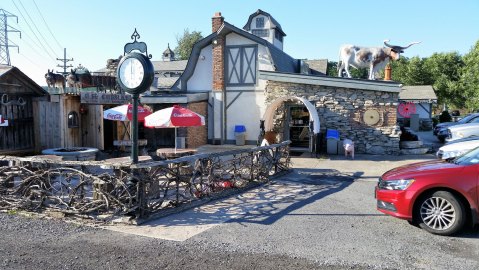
pixel 135 75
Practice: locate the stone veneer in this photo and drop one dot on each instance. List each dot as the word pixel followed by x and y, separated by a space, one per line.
pixel 343 109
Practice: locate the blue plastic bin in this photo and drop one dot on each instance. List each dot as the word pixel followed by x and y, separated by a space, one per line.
pixel 332 134
pixel 332 139
pixel 240 134
pixel 240 128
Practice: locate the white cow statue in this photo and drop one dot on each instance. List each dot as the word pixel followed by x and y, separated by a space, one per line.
pixel 374 58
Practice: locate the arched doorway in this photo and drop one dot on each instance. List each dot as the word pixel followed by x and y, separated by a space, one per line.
pixel 301 117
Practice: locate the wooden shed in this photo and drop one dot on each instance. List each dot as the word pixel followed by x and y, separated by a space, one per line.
pixel 19 121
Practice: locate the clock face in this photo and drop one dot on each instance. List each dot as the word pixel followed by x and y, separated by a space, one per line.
pixel 131 73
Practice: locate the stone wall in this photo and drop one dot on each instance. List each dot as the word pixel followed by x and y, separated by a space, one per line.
pixel 348 110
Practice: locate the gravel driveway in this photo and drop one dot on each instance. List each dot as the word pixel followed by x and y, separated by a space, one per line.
pixel 330 223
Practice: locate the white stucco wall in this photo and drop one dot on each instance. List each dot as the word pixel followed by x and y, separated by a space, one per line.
pixel 264 60
pixel 246 110
pixel 250 106
pixel 202 78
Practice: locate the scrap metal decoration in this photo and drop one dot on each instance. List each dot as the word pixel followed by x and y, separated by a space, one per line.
pixel 19 102
pixel 104 191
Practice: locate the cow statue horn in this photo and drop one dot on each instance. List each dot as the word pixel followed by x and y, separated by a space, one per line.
pixel 399 48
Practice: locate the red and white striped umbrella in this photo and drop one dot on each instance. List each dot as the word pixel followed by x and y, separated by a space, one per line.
pixel 125 113
pixel 175 116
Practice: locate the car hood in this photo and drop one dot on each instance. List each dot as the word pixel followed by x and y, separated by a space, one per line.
pixel 420 169
pixel 466 145
pixel 472 126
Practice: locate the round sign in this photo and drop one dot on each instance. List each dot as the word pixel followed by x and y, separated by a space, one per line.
pixel 406 109
pixel 371 117
pixel 135 73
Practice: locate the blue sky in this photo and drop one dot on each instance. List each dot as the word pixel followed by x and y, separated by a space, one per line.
pixel 93 31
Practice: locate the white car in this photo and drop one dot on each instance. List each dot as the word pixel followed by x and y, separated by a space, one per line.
pixel 457 148
pixel 462 131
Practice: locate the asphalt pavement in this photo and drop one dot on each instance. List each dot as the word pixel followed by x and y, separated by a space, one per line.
pixel 322 215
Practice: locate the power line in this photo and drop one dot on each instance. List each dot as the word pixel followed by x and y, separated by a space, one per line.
pixel 4 46
pixel 38 31
pixel 49 30
pixel 39 42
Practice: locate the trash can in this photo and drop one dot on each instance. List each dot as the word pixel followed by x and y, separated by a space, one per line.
pixel 240 134
pixel 332 139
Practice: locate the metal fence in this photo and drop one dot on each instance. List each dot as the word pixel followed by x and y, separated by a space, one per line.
pixel 104 191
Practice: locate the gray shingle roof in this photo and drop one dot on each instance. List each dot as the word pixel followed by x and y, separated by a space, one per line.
pixel 281 61
pixel 179 65
pixel 318 66
pixel 418 93
pixel 166 82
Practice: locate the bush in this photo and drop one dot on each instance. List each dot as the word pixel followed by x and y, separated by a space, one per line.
pixel 445 117
pixel 435 121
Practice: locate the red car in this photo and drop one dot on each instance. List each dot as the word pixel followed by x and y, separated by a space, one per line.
pixel 439 196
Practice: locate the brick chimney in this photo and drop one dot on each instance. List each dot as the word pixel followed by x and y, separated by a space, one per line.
pixel 217 21
pixel 218 54
pixel 387 72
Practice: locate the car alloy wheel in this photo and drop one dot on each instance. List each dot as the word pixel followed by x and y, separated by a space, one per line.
pixel 441 213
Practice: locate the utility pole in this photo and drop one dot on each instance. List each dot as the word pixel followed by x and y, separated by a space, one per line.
pixel 4 29
pixel 65 60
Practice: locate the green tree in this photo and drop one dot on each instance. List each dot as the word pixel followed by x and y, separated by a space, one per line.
pixel 410 71
pixel 468 84
pixel 186 43
pixel 444 70
pixel 332 70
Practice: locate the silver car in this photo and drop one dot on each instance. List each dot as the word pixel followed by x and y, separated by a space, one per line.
pixel 462 131
pixel 457 148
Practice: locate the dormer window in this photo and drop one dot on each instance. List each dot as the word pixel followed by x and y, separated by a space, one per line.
pixel 260 32
pixel 260 22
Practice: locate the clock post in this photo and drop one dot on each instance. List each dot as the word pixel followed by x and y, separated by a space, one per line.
pixel 135 75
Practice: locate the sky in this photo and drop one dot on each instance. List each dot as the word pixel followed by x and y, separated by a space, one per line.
pixel 93 31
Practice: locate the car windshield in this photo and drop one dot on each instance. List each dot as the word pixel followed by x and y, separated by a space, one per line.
pixel 469 158
pixel 466 119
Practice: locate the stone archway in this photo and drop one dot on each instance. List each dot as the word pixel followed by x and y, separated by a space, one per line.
pixel 270 110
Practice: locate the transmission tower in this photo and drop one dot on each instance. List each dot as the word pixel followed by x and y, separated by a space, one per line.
pixel 4 42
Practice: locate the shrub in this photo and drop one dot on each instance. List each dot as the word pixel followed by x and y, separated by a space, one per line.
pixel 445 117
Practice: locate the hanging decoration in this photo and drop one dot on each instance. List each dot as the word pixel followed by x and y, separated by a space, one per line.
pixel 405 109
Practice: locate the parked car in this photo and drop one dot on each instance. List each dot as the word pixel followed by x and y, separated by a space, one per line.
pixel 458 147
pixel 462 131
pixel 440 130
pixel 439 196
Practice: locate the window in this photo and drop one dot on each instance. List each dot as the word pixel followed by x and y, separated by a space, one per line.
pixel 72 120
pixel 261 32
pixel 241 65
pixel 260 22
